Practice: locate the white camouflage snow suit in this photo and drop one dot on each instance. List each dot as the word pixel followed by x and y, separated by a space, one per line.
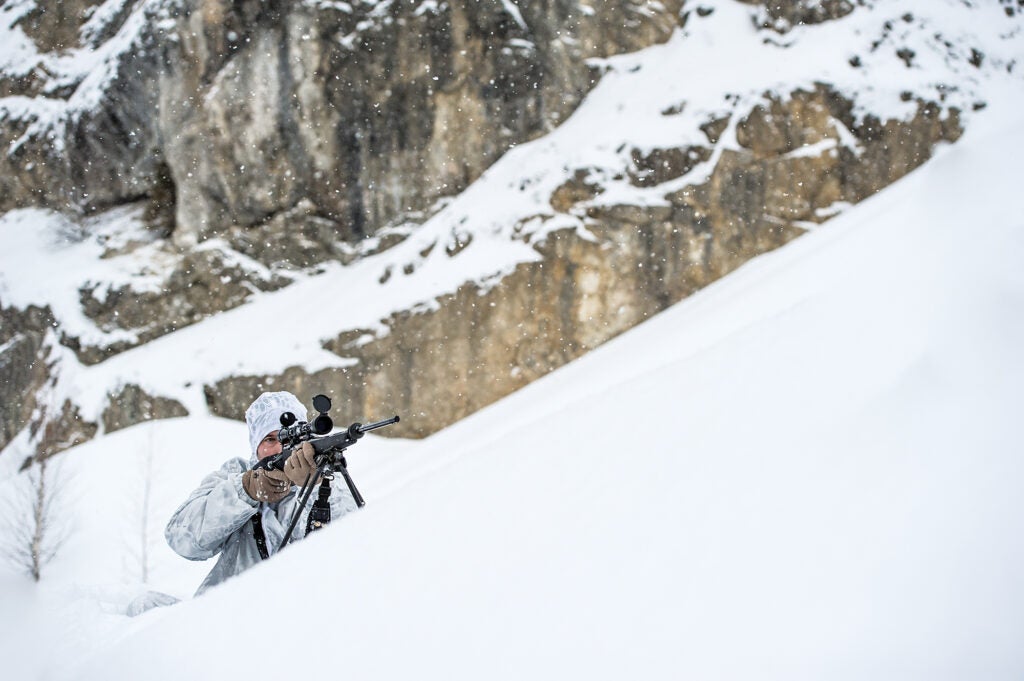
pixel 216 518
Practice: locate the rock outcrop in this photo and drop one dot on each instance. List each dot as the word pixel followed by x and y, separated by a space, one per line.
pixel 23 366
pixel 477 345
pixel 783 15
pixel 27 367
pixel 133 405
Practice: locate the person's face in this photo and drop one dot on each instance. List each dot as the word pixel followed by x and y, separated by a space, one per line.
pixel 268 446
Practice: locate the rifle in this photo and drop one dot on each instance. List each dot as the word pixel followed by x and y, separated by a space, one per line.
pixel 329 457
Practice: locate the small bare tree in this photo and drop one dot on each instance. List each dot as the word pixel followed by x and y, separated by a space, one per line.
pixel 145 516
pixel 137 557
pixel 32 534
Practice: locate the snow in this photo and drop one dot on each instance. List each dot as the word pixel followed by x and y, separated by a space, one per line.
pixel 18 49
pixel 73 257
pixel 513 11
pixel 809 469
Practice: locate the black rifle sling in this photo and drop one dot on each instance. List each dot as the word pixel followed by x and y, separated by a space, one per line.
pixel 257 533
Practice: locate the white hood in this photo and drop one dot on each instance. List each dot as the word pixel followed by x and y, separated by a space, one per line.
pixel 264 415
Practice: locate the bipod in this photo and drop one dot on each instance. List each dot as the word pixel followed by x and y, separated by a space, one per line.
pixel 342 465
pixel 307 489
pixel 320 513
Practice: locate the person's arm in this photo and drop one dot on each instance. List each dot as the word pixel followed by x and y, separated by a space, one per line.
pixel 213 512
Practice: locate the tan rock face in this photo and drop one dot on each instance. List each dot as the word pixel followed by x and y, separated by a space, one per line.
pixel 437 367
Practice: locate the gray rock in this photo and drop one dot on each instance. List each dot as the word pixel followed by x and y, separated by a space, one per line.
pixel 132 405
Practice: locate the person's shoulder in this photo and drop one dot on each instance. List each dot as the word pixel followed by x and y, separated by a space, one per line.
pixel 236 465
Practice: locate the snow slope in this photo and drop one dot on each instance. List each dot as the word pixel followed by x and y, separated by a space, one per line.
pixel 809 470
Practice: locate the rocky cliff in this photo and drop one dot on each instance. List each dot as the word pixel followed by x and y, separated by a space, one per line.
pixel 230 113
pixel 265 140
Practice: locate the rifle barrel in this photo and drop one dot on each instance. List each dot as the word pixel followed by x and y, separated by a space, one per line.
pixel 322 445
pixel 378 424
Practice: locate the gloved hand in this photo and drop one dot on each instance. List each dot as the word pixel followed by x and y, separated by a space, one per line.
pixel 266 486
pixel 300 464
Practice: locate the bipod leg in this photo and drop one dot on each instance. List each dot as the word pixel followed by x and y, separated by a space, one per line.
pixel 307 489
pixel 352 485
